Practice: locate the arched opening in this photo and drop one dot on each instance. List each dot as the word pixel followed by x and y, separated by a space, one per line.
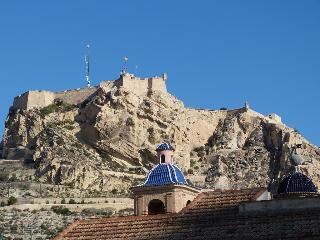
pixel 163 158
pixel 156 207
pixel 188 202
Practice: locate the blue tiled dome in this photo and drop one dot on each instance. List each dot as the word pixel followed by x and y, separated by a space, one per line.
pixel 164 174
pixel 164 146
pixel 297 183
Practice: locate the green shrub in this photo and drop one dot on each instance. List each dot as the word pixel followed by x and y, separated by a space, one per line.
pixel 199 149
pixel 13 178
pixel 105 157
pixel 43 226
pixel 60 210
pixel 27 194
pixel 192 163
pixel 90 211
pixel 72 201
pixel 4 175
pixel 56 107
pixel 69 127
pixel 13 228
pixel 114 191
pixel 63 201
pixel 12 200
pixel 190 171
pixel 125 211
pixel 94 212
pixel 60 141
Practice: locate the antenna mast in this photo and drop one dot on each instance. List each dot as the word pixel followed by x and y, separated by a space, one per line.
pixel 125 66
pixel 87 60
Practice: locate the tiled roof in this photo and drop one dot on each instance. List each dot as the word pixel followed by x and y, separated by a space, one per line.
pixel 164 146
pixel 296 182
pixel 212 215
pixel 163 174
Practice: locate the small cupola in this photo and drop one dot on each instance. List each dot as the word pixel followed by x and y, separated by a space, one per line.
pixel 165 152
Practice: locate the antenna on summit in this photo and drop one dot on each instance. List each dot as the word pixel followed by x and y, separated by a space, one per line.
pixel 125 66
pixel 87 61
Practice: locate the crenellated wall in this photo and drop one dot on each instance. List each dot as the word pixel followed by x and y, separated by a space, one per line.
pixel 143 85
pixel 33 99
pixel 40 99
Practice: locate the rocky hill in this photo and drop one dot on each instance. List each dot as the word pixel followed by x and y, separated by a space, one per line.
pixel 107 142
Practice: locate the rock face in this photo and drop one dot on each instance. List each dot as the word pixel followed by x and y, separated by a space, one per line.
pixel 108 142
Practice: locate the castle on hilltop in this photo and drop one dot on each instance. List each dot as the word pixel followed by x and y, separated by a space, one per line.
pixel 40 99
pixel 140 86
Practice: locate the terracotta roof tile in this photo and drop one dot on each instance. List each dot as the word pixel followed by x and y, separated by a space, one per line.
pixel 212 215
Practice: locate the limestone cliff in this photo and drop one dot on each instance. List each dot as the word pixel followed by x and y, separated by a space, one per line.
pixel 108 141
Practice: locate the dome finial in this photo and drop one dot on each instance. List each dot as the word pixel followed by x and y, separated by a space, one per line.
pixel 297 158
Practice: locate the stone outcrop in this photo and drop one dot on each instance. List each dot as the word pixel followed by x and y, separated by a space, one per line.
pixel 108 141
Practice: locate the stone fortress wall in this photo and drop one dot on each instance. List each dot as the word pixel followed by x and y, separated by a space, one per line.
pixel 75 96
pixel 143 85
pixel 39 99
pixel 33 99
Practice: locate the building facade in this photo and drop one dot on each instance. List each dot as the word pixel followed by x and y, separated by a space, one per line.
pixel 165 189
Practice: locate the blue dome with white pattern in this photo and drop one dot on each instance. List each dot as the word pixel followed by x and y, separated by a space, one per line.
pixel 297 183
pixel 164 146
pixel 165 174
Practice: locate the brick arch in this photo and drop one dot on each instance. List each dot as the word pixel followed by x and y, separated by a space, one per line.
pixel 156 206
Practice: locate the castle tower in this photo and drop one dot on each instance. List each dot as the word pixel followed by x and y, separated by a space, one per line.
pixel 165 189
pixel 142 85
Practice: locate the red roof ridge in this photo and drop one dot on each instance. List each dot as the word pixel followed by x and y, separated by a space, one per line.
pixel 193 202
pixel 258 194
pixel 62 234
pixel 232 190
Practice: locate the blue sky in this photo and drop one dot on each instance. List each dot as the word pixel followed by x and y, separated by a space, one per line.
pixel 216 53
